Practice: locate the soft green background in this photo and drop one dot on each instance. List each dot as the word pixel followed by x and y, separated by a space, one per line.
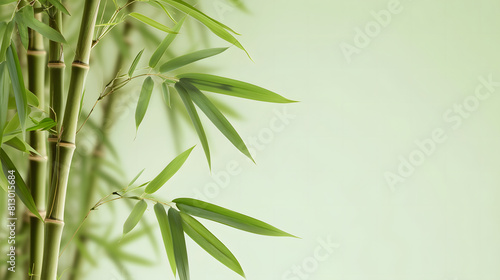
pixel 322 175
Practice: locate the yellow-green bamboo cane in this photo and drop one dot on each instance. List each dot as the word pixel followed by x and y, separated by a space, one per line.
pixel 38 163
pixel 56 79
pixel 97 155
pixel 54 221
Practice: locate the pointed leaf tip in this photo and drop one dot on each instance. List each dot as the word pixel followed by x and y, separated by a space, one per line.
pixel 168 172
pixel 180 252
pixel 217 118
pixel 228 217
pixel 232 87
pixel 201 235
pixel 195 119
pixel 161 216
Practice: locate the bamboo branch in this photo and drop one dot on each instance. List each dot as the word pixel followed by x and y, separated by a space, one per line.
pixel 66 143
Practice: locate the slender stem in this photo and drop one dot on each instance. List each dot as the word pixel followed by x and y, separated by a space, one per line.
pixel 54 221
pixel 38 163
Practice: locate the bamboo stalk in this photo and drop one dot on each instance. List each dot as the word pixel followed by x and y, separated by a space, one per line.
pixel 97 156
pixel 38 163
pixel 54 221
pixel 56 79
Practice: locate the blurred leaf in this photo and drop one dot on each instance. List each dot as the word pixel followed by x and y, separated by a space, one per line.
pixel 168 172
pixel 11 129
pixel 210 243
pixel 4 2
pixel 44 124
pixel 166 93
pixel 16 77
pixel 151 22
pixel 4 97
pixel 22 190
pixel 27 16
pixel 232 87
pixel 32 99
pixel 228 217
pixel 135 216
pixel 132 258
pixel 239 4
pixel 142 104
pixel 23 30
pixel 21 145
pixel 180 252
pixel 59 6
pixel 195 119
pixel 112 182
pixel 3 182
pixel 189 58
pixel 7 35
pixel 166 234
pixel 105 139
pixel 84 252
pixel 216 27
pixel 162 48
pixel 217 118
pixel 134 63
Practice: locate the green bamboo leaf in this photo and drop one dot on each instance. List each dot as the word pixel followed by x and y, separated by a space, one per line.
pixel 135 178
pixel 201 235
pixel 23 30
pixel 166 234
pixel 7 35
pixel 232 87
pixel 216 27
pixel 22 190
pixel 44 124
pixel 151 22
pixel 134 63
pixel 228 217
pixel 180 252
pixel 165 10
pixel 217 118
pixel 135 216
pixel 59 6
pixel 189 58
pixel 4 97
pixel 26 13
pixel 32 99
pixel 21 145
pixel 168 172
pixel 162 48
pixel 142 104
pixel 195 119
pixel 166 93
pixel 16 77
pixel 11 128
pixel 4 2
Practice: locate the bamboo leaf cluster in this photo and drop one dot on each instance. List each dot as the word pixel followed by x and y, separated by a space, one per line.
pixel 42 129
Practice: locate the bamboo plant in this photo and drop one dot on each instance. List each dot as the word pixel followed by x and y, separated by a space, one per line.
pixel 40 120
